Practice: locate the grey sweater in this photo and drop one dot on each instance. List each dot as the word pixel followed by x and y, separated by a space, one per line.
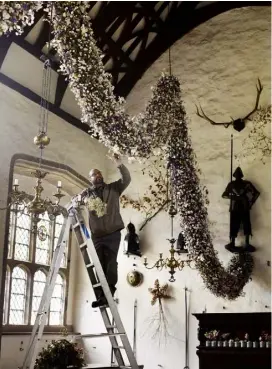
pixel 112 220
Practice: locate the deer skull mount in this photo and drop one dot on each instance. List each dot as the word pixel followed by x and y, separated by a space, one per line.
pixel 238 124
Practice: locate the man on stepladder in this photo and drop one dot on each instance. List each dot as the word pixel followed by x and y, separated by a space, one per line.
pixel 105 221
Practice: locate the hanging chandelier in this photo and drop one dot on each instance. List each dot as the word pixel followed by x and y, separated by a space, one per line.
pixel 20 201
pixel 173 262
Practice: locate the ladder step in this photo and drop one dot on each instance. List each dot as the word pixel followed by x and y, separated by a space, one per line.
pixel 96 285
pixel 76 225
pixel 111 327
pixel 118 347
pixel 91 265
pixel 97 335
pixel 84 244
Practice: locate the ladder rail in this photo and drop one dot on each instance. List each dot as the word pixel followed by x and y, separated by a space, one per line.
pixel 97 278
pixel 40 320
pixel 104 284
pixel 101 282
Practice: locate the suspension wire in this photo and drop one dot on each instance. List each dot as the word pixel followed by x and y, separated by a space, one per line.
pixel 186 331
pixel 46 87
pixel 169 49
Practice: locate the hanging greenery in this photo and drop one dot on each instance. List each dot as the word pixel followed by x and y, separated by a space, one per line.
pixel 163 126
pixel 155 199
pixel 14 16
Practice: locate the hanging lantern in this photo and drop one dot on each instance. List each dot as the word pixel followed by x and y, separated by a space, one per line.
pixel 181 246
pixel 131 241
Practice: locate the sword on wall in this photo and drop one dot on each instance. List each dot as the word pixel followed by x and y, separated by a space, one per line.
pixel 231 171
pixel 134 328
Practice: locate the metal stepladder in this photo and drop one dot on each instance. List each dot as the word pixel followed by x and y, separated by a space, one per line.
pixel 97 279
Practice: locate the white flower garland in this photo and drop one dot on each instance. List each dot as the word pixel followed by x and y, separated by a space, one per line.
pixel 162 127
pixel 81 59
pixel 96 205
pixel 14 16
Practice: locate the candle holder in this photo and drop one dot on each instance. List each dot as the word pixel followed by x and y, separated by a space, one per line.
pixel 171 262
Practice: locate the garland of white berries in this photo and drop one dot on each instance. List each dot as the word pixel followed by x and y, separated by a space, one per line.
pixel 163 126
pixel 14 16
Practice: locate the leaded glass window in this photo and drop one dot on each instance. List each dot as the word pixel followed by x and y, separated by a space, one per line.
pixel 58 225
pixel 22 236
pixel 6 296
pixel 17 310
pixel 43 240
pixel 38 288
pixel 57 302
pixel 29 258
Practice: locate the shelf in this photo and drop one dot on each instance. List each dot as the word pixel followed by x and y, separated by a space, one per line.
pixel 236 325
pixel 234 350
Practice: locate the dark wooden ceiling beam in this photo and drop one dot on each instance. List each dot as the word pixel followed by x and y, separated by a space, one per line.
pixel 115 51
pixel 141 32
pixel 124 37
pixel 62 84
pixel 43 36
pixel 5 43
pixel 149 11
pixel 109 12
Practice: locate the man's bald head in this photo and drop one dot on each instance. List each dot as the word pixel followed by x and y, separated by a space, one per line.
pixel 96 177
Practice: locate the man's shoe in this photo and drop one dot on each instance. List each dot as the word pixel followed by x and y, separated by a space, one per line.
pixel 232 248
pixel 249 248
pixel 100 302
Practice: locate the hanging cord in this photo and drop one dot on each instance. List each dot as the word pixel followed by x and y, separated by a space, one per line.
pixel 231 172
pixel 169 49
pixel 46 86
pixel 187 331
pixel 172 203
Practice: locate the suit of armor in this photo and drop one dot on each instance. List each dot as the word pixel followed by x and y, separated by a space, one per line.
pixel 243 195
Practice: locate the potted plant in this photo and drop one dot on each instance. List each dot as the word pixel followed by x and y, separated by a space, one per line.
pixel 231 343
pixel 225 337
pixel 267 339
pixel 237 342
pixel 211 338
pixel 262 342
pixel 247 341
pixel 220 341
pixel 243 341
pixel 60 354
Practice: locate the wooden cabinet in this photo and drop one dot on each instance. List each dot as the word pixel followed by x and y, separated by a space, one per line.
pixel 236 324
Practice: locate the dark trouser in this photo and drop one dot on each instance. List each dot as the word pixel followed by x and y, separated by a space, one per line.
pixel 107 250
pixel 238 218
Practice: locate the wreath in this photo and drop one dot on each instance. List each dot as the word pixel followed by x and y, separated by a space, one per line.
pixel 163 126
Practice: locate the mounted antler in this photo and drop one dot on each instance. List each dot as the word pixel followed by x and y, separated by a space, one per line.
pixel 238 124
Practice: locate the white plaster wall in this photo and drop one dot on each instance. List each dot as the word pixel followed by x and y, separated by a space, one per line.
pixel 218 64
pixel 69 146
